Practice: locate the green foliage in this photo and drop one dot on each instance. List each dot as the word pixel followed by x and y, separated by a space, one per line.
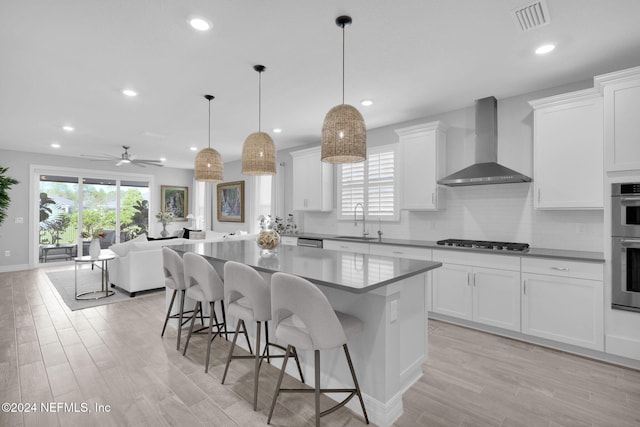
pixel 45 206
pixel 5 185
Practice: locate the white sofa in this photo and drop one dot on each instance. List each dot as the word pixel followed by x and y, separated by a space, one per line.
pixel 137 265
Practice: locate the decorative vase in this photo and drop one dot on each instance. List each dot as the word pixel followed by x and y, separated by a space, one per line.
pixel 94 248
pixel 164 232
pixel 268 241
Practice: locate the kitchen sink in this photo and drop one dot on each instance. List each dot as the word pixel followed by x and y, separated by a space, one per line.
pixel 356 238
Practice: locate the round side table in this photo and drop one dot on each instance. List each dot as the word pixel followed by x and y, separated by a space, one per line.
pixel 103 260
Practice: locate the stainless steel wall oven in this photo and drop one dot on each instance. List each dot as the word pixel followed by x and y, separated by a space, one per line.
pixel 625 240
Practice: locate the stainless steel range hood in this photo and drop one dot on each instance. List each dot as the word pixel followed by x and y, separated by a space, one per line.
pixel 486 169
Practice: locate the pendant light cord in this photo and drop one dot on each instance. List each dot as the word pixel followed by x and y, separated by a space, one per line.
pixel 209 123
pixel 259 99
pixel 343 64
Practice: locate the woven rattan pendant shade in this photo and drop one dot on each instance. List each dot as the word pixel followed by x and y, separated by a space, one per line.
pixel 344 134
pixel 208 164
pixel 259 155
pixel 258 150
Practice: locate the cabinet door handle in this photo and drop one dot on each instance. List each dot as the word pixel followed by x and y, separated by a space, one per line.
pixel 433 198
pixel 468 279
pixel 524 286
pixel 560 268
pixel 474 279
pixel 344 247
pixel 397 252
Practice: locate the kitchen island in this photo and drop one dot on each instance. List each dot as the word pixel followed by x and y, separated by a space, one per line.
pixel 386 293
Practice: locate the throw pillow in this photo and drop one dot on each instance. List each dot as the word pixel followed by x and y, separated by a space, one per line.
pixel 197 235
pixel 186 232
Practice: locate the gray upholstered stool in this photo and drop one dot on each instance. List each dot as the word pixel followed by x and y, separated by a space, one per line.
pixel 204 286
pixel 173 268
pixel 248 299
pixel 303 317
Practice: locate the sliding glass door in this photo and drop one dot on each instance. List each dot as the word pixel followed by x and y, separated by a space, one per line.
pixel 74 208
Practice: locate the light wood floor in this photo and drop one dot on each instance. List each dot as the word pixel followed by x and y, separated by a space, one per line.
pixel 113 355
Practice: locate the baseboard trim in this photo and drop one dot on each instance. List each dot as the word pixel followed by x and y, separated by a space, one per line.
pixel 15 267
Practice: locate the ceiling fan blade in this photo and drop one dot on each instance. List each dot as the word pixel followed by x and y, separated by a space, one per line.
pixel 147 162
pixel 120 163
pixel 99 158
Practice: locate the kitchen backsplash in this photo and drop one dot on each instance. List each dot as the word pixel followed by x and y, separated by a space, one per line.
pixel 490 212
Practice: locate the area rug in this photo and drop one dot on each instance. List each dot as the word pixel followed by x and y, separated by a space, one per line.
pixel 88 280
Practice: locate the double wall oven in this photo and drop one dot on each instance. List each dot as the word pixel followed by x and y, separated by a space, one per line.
pixel 625 240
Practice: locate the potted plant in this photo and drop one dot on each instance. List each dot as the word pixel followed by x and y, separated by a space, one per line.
pixel 5 184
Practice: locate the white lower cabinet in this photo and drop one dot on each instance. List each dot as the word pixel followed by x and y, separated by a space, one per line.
pixel 563 301
pixel 340 245
pixel 478 287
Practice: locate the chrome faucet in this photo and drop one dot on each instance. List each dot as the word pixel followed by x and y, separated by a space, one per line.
pixel 355 218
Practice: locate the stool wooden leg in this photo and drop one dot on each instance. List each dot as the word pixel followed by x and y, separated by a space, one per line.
pixel 355 382
pixel 316 363
pixel 210 332
pixel 233 346
pixel 166 319
pixel 277 391
pixel 256 367
pixel 193 320
pixel 182 296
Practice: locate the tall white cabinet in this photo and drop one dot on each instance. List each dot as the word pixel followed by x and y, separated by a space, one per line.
pixel 423 160
pixel 312 181
pixel 568 151
pixel 621 91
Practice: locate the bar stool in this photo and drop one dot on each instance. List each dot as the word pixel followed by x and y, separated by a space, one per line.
pixel 304 318
pixel 204 286
pixel 248 299
pixel 173 268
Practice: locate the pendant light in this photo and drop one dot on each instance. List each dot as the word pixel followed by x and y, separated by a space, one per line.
pixel 208 164
pixel 259 151
pixel 344 134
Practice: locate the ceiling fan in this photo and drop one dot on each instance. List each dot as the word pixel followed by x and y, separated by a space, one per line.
pixel 124 159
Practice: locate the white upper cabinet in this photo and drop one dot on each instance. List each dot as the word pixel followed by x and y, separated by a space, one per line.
pixel 423 162
pixel 621 91
pixel 568 151
pixel 312 181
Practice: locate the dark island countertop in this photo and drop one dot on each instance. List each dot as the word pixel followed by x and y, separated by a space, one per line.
pixel 352 272
pixel 570 255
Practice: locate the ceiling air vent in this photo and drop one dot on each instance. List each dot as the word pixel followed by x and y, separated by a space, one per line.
pixel 532 15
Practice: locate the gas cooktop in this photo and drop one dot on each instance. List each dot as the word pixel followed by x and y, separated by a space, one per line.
pixel 485 244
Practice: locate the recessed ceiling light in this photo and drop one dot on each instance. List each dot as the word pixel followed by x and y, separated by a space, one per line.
pixel 68 128
pixel 545 48
pixel 366 102
pixel 200 24
pixel 130 92
pixel 163 159
pixel 277 130
pixel 55 145
pixel 193 148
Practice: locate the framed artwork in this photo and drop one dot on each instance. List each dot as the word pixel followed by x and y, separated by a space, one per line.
pixel 176 200
pixel 231 201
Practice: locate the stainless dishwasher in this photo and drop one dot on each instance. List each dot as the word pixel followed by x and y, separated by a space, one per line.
pixel 311 243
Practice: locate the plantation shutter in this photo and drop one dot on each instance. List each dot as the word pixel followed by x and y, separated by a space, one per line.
pixel 351 187
pixel 381 184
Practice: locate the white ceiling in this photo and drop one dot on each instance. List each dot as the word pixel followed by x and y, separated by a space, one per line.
pixel 66 62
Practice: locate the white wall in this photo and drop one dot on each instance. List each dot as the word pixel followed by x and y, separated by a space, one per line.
pixel 15 237
pixel 500 212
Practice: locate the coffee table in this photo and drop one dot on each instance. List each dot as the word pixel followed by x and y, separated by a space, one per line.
pixel 103 263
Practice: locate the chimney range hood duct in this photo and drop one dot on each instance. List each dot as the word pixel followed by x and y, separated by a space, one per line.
pixel 486 169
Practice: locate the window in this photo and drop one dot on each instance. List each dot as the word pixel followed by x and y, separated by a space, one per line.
pixel 372 182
